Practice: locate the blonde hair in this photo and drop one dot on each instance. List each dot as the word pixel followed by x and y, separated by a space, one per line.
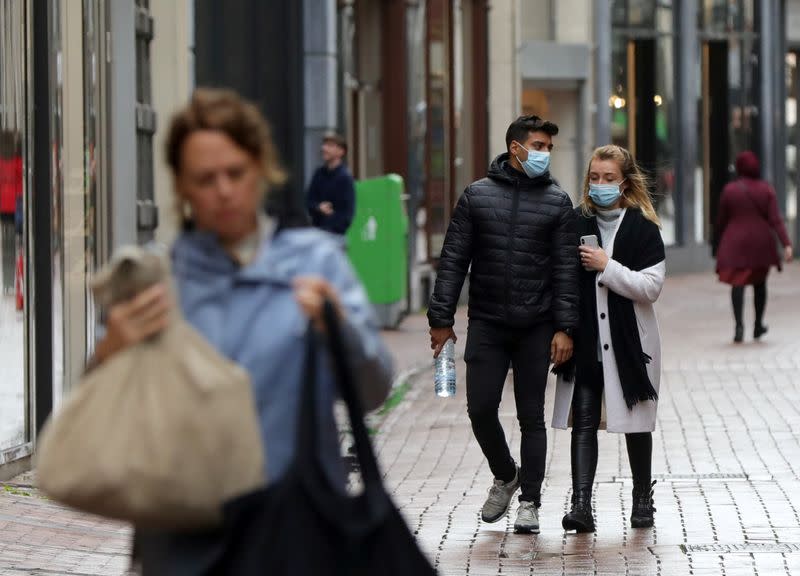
pixel 635 195
pixel 227 112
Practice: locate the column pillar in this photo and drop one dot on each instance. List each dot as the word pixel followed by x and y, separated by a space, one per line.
pixel 767 67
pixel 320 73
pixel 686 56
pixel 602 70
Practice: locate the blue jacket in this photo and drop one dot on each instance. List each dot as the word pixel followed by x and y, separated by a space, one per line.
pixel 337 187
pixel 250 315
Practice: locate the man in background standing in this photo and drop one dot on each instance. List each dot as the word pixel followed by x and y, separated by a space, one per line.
pixel 331 197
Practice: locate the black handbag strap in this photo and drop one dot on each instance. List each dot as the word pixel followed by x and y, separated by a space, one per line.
pixel 308 423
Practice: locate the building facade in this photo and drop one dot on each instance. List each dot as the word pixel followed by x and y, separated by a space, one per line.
pixel 684 84
pixel 78 177
pixel 405 81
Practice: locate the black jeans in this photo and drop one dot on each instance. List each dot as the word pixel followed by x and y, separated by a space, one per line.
pixel 490 349
pixel 587 402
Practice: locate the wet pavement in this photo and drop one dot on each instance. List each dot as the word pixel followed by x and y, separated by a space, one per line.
pixel 726 457
pixel 727 461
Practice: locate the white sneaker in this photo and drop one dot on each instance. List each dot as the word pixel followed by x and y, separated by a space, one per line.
pixel 527 519
pixel 499 500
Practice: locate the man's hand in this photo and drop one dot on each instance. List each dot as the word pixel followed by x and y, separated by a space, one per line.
pixel 593 258
pixel 561 348
pixel 326 208
pixel 439 337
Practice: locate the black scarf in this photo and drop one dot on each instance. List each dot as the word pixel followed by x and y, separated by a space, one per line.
pixel 638 245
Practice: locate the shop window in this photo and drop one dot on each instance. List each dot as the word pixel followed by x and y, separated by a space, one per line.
pixel 13 203
pixel 642 99
pixel 792 137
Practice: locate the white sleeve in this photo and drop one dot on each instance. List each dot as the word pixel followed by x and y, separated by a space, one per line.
pixel 642 287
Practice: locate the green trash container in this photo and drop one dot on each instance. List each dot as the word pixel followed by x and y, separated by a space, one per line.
pixel 377 244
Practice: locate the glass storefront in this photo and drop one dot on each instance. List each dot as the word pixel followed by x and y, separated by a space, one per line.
pixel 438 157
pixel 728 99
pixel 642 100
pixel 643 107
pixel 418 128
pixel 792 138
pixel 75 134
pixel 74 157
pixel 13 194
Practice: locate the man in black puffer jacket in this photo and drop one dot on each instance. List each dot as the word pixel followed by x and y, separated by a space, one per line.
pixel 516 229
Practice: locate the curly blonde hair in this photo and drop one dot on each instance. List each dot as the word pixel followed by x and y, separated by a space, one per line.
pixel 636 195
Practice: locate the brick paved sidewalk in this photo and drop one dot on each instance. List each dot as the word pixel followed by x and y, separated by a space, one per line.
pixel 726 457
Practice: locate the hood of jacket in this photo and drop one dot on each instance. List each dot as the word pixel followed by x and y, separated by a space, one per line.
pixel 748 165
pixel 502 171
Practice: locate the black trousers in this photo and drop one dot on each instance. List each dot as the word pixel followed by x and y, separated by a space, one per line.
pixel 490 350
pixel 587 405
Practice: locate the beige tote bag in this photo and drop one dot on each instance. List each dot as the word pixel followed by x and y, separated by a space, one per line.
pixel 160 434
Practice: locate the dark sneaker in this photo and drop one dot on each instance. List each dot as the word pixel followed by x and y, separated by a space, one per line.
pixel 580 518
pixel 499 500
pixel 643 509
pixel 527 521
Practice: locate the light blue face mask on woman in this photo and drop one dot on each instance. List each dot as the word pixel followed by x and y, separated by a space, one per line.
pixel 537 163
pixel 605 195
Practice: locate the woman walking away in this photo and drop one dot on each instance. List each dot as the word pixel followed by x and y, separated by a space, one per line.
pixel 618 346
pixel 249 285
pixel 747 219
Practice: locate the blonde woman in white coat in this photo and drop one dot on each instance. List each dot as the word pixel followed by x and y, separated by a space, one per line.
pixel 617 363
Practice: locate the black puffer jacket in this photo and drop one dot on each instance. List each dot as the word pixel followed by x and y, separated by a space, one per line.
pixel 519 236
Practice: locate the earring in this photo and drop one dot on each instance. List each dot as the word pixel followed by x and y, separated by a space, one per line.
pixel 186 211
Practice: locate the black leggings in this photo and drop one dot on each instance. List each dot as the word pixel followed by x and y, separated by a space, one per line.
pixel 760 301
pixel 586 409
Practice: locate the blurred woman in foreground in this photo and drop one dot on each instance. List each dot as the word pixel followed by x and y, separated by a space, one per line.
pixel 249 286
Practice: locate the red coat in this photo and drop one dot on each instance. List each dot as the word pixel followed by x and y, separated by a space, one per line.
pixel 748 215
pixel 10 183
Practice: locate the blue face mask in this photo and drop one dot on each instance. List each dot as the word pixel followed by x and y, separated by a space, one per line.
pixel 605 195
pixel 537 163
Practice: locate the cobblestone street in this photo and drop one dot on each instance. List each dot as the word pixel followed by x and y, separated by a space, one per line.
pixel 727 461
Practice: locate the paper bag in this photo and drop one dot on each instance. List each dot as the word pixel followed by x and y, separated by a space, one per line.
pixel 161 434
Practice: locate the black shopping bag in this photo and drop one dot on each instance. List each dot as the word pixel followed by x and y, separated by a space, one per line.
pixel 302 525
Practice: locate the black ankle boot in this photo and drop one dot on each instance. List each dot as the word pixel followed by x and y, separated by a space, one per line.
pixel 739 336
pixel 759 331
pixel 643 509
pixel 580 517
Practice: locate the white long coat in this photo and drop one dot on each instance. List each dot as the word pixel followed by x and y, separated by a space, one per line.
pixel 643 288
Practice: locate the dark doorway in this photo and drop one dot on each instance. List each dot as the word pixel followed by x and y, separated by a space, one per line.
pixel 644 54
pixel 716 124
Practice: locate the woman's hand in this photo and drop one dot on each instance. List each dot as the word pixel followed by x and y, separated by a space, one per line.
pixel 133 321
pixel 788 254
pixel 311 292
pixel 593 258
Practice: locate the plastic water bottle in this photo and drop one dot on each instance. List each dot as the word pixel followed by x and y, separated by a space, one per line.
pixel 444 376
